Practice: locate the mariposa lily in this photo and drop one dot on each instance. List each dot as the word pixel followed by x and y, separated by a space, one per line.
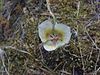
pixel 52 39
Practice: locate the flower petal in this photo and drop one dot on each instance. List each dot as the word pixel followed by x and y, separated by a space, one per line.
pixel 49 46
pixel 67 32
pixel 42 27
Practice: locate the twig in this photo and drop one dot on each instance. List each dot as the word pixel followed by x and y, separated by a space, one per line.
pixel 97 70
pixel 58 65
pixel 82 59
pixel 73 70
pixel 2 53
pixel 90 55
pixel 40 46
pixel 96 48
pixel 4 66
pixel 17 49
pixel 97 62
pixel 78 8
pixel 16 21
pixel 46 67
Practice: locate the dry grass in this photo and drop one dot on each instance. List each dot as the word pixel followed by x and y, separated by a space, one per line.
pixel 24 54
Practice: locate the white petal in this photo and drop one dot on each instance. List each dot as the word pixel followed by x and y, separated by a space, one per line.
pixel 49 46
pixel 67 32
pixel 60 43
pixel 42 27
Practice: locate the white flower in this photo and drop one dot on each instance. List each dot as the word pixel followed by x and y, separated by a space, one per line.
pixel 53 39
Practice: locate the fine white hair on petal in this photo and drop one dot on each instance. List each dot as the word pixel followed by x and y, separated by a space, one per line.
pixel 42 27
pixel 67 32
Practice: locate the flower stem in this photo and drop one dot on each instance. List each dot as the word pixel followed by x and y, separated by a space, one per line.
pixel 54 18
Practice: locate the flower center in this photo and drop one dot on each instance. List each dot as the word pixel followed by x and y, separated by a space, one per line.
pixel 54 38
